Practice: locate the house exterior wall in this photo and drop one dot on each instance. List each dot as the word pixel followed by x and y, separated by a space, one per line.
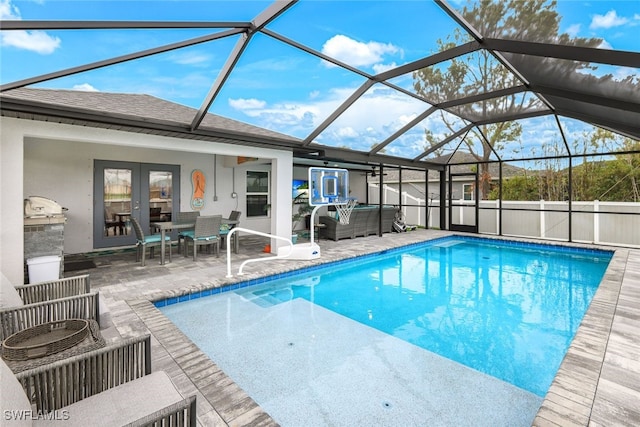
pixel 56 161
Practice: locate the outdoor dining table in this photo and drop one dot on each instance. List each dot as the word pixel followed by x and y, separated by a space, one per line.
pixel 170 225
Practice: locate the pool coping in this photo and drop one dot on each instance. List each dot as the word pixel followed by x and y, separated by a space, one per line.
pixel 191 294
pixel 569 401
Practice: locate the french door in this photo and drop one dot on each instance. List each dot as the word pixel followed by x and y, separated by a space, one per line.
pixel 148 192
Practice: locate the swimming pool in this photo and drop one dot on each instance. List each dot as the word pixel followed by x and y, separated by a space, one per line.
pixel 506 310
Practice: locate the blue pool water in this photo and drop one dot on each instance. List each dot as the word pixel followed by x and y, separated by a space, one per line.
pixel 505 309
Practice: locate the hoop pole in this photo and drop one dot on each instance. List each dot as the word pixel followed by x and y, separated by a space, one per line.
pixel 312 224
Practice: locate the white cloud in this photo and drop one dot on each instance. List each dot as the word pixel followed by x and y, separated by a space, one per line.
pixel 347 132
pixel 190 58
pixel 573 30
pixel 358 128
pixel 622 73
pixel 85 87
pixel 36 41
pixel 8 11
pixel 605 45
pixel 381 68
pixel 404 119
pixel 609 20
pixel 356 53
pixel 246 104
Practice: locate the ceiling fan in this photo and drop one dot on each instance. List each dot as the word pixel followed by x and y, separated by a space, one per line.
pixel 373 172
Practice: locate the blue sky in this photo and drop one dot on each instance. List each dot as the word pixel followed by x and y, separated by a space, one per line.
pixel 273 85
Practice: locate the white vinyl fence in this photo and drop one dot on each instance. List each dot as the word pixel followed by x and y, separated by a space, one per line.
pixel 620 225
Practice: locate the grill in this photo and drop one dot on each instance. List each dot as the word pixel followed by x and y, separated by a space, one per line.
pixel 42 207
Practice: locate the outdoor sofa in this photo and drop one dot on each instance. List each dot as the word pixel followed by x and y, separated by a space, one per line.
pixel 112 386
pixel 363 221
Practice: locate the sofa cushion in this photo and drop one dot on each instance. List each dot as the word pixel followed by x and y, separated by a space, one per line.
pixel 13 400
pixel 120 405
pixel 9 297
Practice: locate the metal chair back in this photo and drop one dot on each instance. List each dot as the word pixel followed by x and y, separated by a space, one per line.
pixel 187 216
pixel 207 232
pixel 207 226
pixel 138 229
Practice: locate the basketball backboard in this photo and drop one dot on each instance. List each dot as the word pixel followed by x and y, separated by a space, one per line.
pixel 328 186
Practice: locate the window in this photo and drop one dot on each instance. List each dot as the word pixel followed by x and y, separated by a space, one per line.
pixel 468 191
pixel 257 193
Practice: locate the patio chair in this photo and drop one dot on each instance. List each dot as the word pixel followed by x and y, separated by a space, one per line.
pixel 110 221
pixel 226 228
pixel 207 232
pixel 185 216
pixel 16 316
pixel 111 386
pixel 155 214
pixel 151 242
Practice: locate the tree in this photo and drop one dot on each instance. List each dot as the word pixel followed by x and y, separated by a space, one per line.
pixel 611 177
pixel 480 72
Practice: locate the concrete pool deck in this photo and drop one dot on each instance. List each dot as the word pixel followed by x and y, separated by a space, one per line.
pixel 598 382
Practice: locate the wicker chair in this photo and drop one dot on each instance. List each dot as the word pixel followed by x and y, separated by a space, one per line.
pixel 25 306
pixel 144 242
pixel 207 232
pixel 185 216
pixel 226 228
pixel 110 386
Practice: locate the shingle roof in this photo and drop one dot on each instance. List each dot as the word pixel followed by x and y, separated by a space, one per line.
pixel 139 107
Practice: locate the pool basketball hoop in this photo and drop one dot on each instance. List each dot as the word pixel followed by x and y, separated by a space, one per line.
pixel 344 210
pixel 327 187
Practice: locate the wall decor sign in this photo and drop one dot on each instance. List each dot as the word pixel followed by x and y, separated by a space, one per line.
pixel 198 183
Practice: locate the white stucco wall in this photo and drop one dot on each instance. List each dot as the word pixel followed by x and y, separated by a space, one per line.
pixel 56 161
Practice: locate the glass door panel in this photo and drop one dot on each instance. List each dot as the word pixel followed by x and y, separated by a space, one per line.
pixel 116 190
pixel 117 202
pixel 160 196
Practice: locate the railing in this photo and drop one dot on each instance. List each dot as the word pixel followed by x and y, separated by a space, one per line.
pixel 259 233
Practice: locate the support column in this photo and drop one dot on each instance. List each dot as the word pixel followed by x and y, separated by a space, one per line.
pixel 443 200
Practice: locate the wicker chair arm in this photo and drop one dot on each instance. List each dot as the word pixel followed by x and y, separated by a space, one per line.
pixel 16 319
pixel 54 289
pixel 329 221
pixel 182 413
pixel 59 384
